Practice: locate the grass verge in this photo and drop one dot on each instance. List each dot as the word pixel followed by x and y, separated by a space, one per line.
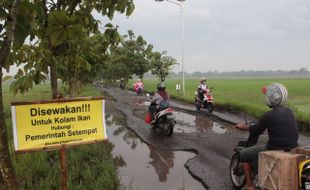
pixel 89 166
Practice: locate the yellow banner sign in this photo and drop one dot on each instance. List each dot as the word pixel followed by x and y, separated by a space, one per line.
pixel 50 125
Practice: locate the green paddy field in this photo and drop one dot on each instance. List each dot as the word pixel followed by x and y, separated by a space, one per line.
pixel 244 94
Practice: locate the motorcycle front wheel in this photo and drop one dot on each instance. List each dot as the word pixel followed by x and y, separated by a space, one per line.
pixel 139 92
pixel 209 107
pixel 236 172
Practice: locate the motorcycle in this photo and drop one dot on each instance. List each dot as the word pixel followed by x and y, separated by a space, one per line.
pixel 139 91
pixel 164 120
pixel 236 170
pixel 138 88
pixel 206 102
pixel 122 84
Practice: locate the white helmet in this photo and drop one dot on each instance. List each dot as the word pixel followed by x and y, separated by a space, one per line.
pixel 203 79
pixel 276 95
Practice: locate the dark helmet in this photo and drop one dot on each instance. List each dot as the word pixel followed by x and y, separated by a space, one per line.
pixel 161 86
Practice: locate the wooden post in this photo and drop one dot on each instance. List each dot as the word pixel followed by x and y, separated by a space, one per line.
pixel 63 168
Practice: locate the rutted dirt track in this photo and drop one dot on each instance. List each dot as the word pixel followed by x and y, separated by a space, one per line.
pixel 213 150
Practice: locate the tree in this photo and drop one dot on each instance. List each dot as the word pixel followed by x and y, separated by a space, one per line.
pixel 136 53
pixel 62 27
pixel 83 63
pixel 130 57
pixel 97 57
pixel 161 65
pixel 54 27
pixel 116 66
pixel 303 71
pixel 8 16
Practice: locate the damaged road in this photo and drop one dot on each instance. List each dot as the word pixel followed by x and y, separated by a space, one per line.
pixel 213 150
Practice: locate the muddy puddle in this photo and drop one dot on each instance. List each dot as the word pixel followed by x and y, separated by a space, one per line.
pixel 142 166
pixel 187 123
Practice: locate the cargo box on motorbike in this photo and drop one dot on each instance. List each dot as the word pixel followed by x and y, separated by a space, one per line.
pixel 279 170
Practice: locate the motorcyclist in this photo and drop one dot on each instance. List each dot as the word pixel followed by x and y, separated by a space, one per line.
pixel 122 83
pixel 138 86
pixel 202 87
pixel 281 125
pixel 159 101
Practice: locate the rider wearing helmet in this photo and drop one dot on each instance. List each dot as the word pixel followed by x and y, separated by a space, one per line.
pixel 138 86
pixel 202 87
pixel 281 125
pixel 160 99
pixel 122 83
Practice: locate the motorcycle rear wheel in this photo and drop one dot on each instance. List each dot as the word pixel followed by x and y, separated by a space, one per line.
pixel 168 127
pixel 236 172
pixel 198 105
pixel 169 131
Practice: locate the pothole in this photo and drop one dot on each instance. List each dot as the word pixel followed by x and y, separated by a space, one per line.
pixel 187 123
pixel 142 166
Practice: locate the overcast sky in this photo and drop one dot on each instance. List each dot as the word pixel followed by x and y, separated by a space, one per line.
pixel 226 35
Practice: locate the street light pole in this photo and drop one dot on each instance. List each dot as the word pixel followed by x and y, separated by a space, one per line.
pixel 182 40
pixel 182 47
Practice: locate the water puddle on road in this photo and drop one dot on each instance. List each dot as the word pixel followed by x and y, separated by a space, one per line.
pixel 142 166
pixel 187 123
pixel 143 102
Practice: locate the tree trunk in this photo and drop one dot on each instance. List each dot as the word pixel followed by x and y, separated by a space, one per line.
pixel 53 69
pixel 1 181
pixel 53 78
pixel 6 166
pixel 73 82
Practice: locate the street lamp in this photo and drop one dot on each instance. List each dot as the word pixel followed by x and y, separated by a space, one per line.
pixel 182 38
